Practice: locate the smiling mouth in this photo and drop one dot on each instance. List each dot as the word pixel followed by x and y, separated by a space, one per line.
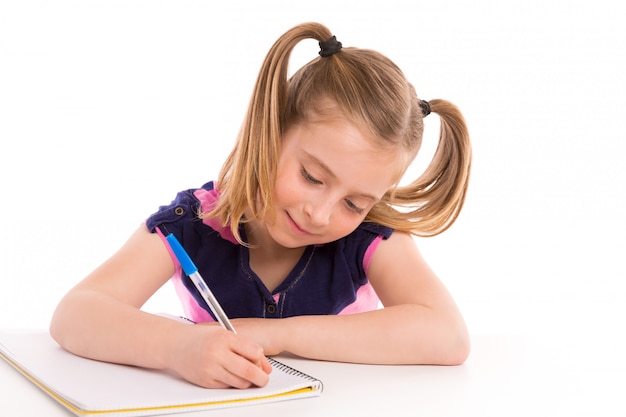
pixel 297 227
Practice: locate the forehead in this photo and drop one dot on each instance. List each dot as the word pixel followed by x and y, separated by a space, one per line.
pixel 349 155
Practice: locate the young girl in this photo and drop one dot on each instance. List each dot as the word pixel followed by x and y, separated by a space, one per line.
pixel 302 234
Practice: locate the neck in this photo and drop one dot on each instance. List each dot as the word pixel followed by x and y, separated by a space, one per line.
pixel 262 243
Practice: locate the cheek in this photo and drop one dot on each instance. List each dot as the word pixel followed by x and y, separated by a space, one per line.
pixel 344 225
pixel 286 190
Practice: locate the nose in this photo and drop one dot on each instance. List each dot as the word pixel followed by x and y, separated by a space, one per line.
pixel 318 212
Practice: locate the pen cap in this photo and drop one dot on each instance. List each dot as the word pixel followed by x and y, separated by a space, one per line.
pixel 183 258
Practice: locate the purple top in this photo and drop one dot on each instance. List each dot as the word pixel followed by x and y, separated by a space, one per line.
pixel 328 279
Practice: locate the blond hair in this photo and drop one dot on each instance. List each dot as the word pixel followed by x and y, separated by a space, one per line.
pixel 372 92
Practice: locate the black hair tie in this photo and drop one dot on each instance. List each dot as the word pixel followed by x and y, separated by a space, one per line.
pixel 330 47
pixel 425 106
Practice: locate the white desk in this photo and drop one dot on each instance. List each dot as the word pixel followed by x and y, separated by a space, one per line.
pixel 504 376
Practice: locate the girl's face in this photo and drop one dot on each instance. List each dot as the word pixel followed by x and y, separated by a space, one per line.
pixel 329 176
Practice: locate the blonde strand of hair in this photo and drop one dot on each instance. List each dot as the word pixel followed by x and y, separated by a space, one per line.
pixel 247 177
pixel 431 204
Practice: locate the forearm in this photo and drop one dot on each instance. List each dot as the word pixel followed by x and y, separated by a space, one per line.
pixel 95 325
pixel 101 318
pixel 404 334
pixel 98 326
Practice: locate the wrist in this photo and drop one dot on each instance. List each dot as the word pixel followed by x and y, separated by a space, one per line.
pixel 284 334
pixel 177 338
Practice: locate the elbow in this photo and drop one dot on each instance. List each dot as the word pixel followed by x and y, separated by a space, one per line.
pixel 458 350
pixel 66 336
pixel 444 346
pixel 457 346
pixel 56 329
pixel 444 340
pixel 450 346
pixel 59 327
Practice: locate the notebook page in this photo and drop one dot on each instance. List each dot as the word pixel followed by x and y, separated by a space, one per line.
pixel 98 386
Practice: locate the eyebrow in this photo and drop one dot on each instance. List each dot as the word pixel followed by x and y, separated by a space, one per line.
pixel 330 172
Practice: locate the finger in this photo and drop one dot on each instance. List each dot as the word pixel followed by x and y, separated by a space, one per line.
pixel 254 353
pixel 250 350
pixel 265 365
pixel 230 380
pixel 246 372
pixel 225 375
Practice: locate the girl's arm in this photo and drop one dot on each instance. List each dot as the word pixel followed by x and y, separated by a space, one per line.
pixel 100 318
pixel 419 324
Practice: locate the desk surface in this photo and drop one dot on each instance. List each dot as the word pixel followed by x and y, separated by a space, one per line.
pixel 502 377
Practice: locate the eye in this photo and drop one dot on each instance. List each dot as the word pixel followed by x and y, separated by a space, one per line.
pixel 308 177
pixel 353 207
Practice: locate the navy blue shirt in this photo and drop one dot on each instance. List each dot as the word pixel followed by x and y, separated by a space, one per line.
pixel 328 279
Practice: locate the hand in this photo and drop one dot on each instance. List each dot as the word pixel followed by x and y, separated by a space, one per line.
pixel 213 357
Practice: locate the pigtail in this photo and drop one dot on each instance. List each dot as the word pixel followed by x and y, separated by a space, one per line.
pixel 247 177
pixel 430 205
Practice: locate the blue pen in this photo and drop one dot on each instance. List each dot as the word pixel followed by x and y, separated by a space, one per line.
pixel 190 269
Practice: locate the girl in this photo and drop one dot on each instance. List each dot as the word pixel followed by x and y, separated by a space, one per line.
pixel 302 234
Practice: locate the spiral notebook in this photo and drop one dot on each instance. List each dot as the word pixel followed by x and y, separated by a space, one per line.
pixel 87 387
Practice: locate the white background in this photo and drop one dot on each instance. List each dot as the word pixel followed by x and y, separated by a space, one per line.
pixel 108 108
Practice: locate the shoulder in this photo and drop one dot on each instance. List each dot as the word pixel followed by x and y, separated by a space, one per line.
pixel 361 239
pixel 187 204
pixel 400 247
pixel 374 228
pixel 356 249
pixel 184 215
pixel 367 232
